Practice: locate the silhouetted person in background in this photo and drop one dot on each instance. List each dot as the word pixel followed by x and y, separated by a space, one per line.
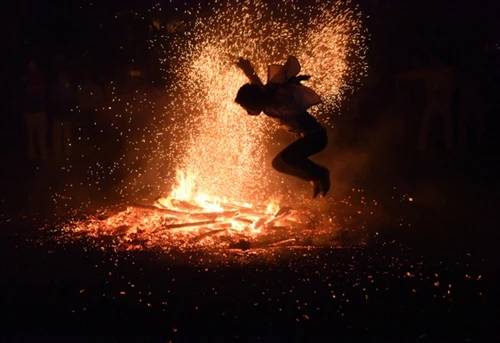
pixel 472 104
pixel 285 100
pixel 89 96
pixel 63 99
pixel 34 102
pixel 439 86
pixel 409 99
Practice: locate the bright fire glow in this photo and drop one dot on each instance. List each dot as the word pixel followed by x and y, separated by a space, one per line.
pixel 223 183
pixel 222 150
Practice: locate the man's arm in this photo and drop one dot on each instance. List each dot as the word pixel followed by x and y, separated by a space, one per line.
pixel 413 75
pixel 249 71
pixel 296 80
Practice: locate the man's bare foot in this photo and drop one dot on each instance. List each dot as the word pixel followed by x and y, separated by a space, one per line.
pixel 325 184
pixel 316 188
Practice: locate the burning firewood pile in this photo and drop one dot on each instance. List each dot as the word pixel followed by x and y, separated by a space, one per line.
pixel 177 224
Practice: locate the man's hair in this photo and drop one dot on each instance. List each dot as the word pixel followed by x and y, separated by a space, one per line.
pixel 249 95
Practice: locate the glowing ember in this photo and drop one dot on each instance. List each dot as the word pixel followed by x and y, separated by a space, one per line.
pixel 223 183
pixel 188 219
pixel 174 224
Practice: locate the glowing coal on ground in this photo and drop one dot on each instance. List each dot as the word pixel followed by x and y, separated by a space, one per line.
pixel 182 222
pixel 223 183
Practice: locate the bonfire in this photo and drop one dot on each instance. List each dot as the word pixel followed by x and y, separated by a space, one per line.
pixel 186 220
pixel 220 151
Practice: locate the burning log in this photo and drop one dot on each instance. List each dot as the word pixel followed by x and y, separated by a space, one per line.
pixel 169 212
pixel 282 242
pixel 283 212
pixel 208 234
pixel 246 245
pixel 243 209
pixel 198 214
pixel 214 215
pixel 252 213
pixel 277 228
pixel 185 206
pixel 291 222
pixel 191 224
pixel 111 211
pixel 241 245
pixel 244 220
pixel 122 229
pixel 261 223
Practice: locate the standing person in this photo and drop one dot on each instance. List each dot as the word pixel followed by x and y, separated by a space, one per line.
pixel 89 95
pixel 35 112
pixel 472 104
pixel 62 105
pixel 439 86
pixel 285 100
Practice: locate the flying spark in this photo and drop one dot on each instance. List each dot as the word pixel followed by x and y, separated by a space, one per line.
pixel 200 141
pixel 221 147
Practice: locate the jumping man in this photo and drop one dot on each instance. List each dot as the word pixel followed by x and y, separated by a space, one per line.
pixel 286 100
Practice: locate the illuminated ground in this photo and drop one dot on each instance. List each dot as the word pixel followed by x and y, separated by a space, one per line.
pixel 186 228
pixel 431 281
pixel 374 291
pixel 421 284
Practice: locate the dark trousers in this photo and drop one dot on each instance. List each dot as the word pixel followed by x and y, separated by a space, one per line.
pixel 294 159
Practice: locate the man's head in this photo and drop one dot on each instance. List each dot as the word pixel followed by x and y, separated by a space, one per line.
pixel 435 61
pixel 32 66
pixel 63 75
pixel 252 98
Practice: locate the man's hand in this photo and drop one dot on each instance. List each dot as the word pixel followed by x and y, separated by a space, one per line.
pixel 299 78
pixel 244 64
pixel 247 68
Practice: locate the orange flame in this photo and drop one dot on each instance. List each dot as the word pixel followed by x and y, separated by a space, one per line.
pixel 187 196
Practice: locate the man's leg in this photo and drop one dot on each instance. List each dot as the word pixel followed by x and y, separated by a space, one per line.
pixel 445 111
pixel 294 161
pixel 30 135
pixel 41 130
pixel 66 135
pixel 426 126
pixel 481 125
pixel 56 139
pixel 463 121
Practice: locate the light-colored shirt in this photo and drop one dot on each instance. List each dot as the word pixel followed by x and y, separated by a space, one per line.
pixel 291 100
